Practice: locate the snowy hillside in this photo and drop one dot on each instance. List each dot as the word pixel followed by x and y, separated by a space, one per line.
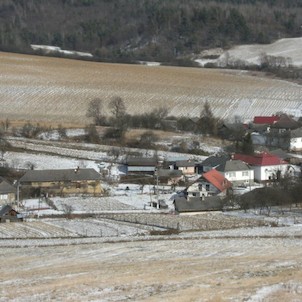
pixel 287 48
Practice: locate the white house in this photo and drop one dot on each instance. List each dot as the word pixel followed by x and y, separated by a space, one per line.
pixel 266 166
pixel 295 143
pixel 237 172
pixel 210 183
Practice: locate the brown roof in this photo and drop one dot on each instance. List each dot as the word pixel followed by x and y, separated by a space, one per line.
pixel 286 122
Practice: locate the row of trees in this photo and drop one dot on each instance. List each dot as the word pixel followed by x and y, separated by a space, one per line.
pixel 284 193
pixel 158 119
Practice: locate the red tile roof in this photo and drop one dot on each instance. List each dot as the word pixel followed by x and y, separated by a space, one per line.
pixel 261 159
pixel 267 120
pixel 217 180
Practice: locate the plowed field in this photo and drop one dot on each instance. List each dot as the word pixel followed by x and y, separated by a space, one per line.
pixel 59 90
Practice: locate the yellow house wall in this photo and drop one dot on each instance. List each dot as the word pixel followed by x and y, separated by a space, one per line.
pixel 87 187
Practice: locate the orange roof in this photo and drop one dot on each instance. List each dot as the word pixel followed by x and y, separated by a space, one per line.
pixel 217 180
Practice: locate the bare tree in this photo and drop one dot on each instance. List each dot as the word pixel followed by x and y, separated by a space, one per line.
pixel 62 132
pixel 207 123
pixel 94 111
pixel 118 107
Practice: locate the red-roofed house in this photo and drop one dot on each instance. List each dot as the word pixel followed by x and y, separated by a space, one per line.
pixel 209 184
pixel 266 166
pixel 266 120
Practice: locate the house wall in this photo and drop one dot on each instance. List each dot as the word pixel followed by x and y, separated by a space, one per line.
pixel 67 187
pixel 7 198
pixel 198 190
pixel 295 144
pixel 245 177
pixel 187 170
pixel 202 189
pixel 263 173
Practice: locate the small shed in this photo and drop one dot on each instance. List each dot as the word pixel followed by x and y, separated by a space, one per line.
pixel 8 214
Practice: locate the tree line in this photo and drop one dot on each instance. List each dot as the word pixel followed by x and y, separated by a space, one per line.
pixel 131 30
pixel 120 121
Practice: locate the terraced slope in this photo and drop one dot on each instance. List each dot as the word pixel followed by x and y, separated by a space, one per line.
pixel 58 90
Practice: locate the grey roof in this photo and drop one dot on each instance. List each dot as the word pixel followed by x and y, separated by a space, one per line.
pixel 281 154
pixel 185 163
pixel 141 161
pixel 286 122
pixel 233 165
pixel 60 175
pixel 169 173
pixel 196 204
pixel 5 209
pixel 6 187
pixel 215 160
pixel 296 133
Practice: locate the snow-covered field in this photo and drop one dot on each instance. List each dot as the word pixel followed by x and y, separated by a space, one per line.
pixel 247 268
pixel 56 90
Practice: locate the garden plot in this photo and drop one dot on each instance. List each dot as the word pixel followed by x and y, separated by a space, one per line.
pixel 33 229
pixel 97 227
pixel 203 221
pixel 91 204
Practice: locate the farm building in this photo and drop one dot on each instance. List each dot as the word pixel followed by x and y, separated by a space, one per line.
pixel 141 165
pixel 60 182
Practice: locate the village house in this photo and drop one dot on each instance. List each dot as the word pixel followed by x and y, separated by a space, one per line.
pixel 266 166
pixel 60 182
pixel 186 166
pixel 205 194
pixel 295 143
pixel 209 184
pixel 7 192
pixel 237 172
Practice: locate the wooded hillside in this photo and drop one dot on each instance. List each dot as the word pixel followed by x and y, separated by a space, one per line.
pixel 127 30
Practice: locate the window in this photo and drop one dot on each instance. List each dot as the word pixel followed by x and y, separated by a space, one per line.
pixel 3 196
pixel 245 173
pixel 232 174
